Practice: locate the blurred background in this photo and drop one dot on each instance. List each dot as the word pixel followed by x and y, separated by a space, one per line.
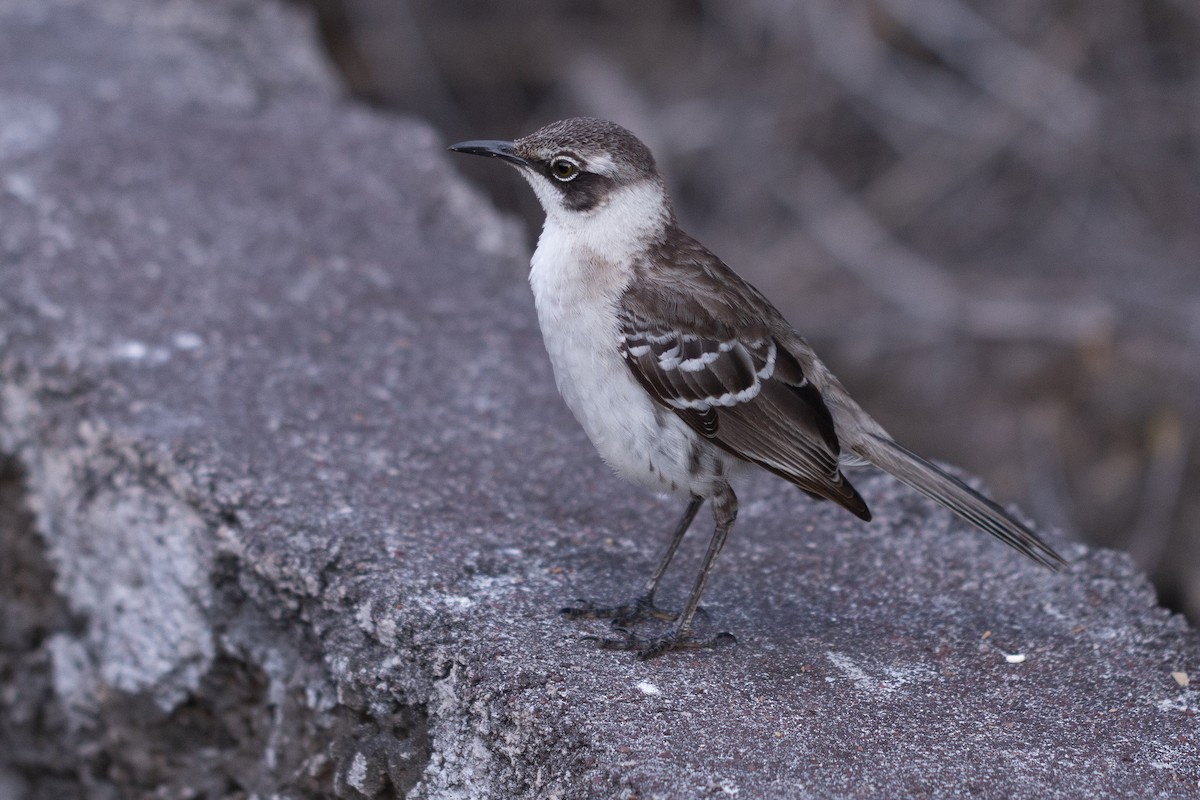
pixel 985 216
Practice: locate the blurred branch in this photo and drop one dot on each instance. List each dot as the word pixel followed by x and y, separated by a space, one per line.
pixel 1046 473
pixel 1163 487
pixel 1188 7
pixel 999 65
pixel 842 43
pixel 924 174
pixel 840 224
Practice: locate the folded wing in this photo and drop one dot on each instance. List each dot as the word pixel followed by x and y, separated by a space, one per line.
pixel 747 395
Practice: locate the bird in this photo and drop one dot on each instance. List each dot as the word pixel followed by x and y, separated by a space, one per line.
pixel 682 374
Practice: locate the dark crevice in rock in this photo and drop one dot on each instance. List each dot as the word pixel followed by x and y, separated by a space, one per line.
pixel 34 738
pixel 380 755
pixel 254 726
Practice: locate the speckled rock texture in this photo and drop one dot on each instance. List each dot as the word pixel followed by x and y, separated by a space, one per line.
pixel 288 501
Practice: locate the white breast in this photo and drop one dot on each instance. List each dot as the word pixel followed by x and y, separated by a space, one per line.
pixel 575 291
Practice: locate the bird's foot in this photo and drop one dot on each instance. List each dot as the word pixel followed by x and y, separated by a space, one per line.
pixel 653 646
pixel 639 610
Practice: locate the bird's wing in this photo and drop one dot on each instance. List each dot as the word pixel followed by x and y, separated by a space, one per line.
pixel 700 340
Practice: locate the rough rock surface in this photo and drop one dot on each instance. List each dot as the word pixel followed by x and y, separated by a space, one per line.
pixel 288 502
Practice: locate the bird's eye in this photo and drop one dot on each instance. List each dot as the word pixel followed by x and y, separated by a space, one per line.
pixel 564 169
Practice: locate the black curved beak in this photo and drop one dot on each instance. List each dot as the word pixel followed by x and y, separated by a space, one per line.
pixel 502 150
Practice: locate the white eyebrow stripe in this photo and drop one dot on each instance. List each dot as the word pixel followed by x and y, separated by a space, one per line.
pixel 600 164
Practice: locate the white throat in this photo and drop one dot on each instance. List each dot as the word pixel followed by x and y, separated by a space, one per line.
pixel 583 263
pixel 621 226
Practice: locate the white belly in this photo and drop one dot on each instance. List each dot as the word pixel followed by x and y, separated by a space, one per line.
pixel 642 441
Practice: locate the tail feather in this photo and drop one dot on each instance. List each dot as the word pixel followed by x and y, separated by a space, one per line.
pixel 957 496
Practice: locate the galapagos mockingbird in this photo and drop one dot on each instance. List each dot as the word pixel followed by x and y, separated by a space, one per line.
pixel 681 372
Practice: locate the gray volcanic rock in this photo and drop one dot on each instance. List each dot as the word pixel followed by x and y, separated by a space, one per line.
pixel 288 500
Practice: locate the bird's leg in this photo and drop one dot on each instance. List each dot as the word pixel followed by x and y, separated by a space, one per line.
pixel 642 608
pixel 724 505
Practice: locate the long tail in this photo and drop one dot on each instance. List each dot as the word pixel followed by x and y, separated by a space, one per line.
pixel 956 496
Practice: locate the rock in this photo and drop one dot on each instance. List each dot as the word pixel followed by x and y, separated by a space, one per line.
pixel 288 500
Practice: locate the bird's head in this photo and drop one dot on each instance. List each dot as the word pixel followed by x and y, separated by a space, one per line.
pixel 585 168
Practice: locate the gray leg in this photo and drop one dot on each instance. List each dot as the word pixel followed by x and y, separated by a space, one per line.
pixel 724 505
pixel 643 607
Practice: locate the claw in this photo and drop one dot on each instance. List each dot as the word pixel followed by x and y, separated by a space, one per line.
pixel 639 610
pixel 654 646
pixel 581 610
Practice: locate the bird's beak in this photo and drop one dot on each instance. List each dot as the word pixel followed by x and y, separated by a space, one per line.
pixel 502 150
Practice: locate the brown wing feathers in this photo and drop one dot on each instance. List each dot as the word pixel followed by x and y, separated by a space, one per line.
pixel 698 338
pixel 707 346
pixel 727 391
